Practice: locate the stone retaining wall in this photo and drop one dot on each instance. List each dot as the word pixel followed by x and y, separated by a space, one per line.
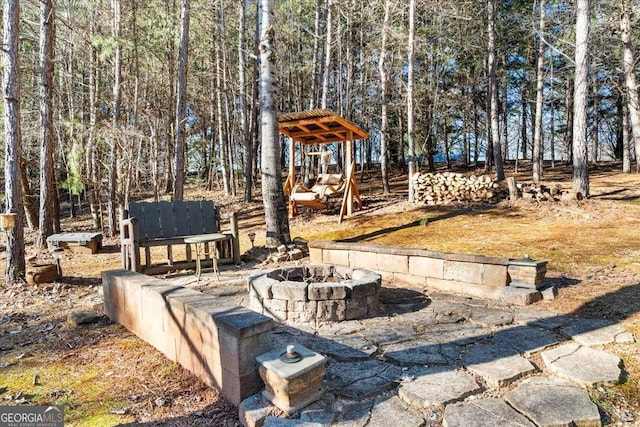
pixel 515 281
pixel 217 343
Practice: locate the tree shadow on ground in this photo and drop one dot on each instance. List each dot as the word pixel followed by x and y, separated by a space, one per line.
pixel 616 306
pixel 420 222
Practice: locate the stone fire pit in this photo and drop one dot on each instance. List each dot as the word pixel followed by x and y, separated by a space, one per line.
pixel 315 293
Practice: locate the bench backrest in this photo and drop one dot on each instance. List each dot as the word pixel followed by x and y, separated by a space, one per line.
pixel 158 220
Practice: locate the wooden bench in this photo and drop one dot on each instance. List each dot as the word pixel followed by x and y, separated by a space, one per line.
pixel 151 224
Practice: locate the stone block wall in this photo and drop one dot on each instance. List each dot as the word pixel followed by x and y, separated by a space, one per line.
pixel 515 281
pixel 303 294
pixel 217 343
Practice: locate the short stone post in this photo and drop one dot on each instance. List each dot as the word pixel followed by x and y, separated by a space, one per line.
pixel 292 377
pixel 527 272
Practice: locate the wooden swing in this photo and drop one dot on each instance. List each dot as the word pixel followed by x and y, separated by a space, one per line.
pixel 317 127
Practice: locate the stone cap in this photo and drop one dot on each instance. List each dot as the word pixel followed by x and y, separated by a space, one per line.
pixel 394 250
pixel 242 322
pixel 527 261
pixel 310 359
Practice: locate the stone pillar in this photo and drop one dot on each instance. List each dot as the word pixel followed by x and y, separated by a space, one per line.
pixel 526 272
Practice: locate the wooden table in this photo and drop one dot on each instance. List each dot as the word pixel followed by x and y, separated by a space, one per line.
pixel 205 239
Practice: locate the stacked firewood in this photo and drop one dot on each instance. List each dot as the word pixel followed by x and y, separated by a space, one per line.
pixel 449 187
pixel 541 192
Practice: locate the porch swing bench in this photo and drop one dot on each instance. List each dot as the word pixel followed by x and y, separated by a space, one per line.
pixel 326 187
pixel 322 127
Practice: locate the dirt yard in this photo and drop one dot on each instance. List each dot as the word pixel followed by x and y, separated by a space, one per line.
pixel 105 376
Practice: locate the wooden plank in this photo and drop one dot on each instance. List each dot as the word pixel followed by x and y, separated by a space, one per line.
pixel 151 225
pixel 183 224
pixel 167 219
pixel 209 217
pixel 195 217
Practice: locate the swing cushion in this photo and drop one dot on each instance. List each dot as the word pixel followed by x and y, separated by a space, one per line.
pixel 330 179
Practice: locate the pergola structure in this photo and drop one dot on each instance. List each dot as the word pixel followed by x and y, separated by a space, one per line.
pixel 322 126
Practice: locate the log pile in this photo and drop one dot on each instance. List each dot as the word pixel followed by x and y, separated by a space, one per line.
pixel 449 187
pixel 541 192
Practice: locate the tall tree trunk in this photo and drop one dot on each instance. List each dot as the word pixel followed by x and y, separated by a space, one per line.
pixel 580 95
pixel 628 64
pixel 552 123
pixel 493 90
pixel 384 119
pixel 313 89
pixel 117 71
pixel 247 141
pixel 275 209
pixel 524 134
pixel 47 215
pixel 568 137
pixel 327 55
pixel 31 215
pixel 223 143
pixel 410 108
pixel 595 123
pixel 170 117
pixel 15 267
pixel 91 149
pixel 538 143
pixel 505 121
pixel 181 104
pixel 476 135
pixel 626 145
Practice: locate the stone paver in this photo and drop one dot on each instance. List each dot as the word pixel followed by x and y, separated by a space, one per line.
pixel 591 332
pixel 321 411
pixel 457 334
pixel 554 402
pixel 582 364
pixel 352 413
pixel 344 347
pixel 340 328
pixel 358 380
pixel 254 410
pixel 541 318
pixel 484 412
pixel 391 411
pixel 387 332
pixel 419 352
pixel 437 386
pixel 491 317
pixel 286 422
pixel 498 366
pixel 525 339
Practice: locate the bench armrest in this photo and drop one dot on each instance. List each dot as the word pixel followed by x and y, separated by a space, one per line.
pixel 233 224
pixel 130 243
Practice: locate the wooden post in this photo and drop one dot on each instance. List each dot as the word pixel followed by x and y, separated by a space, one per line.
pixel 513 189
pixel 350 160
pixel 291 178
pixel 236 238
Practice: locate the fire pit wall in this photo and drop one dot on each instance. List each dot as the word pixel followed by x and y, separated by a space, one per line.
pixel 315 293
